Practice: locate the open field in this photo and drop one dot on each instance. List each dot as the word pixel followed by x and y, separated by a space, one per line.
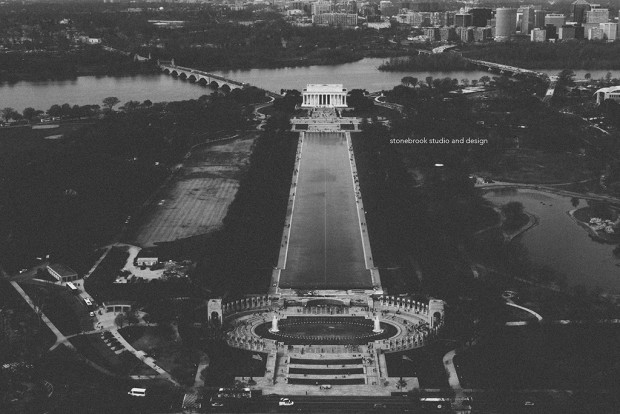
pixel 196 200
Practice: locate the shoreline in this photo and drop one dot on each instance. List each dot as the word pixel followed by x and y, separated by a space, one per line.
pixel 593 233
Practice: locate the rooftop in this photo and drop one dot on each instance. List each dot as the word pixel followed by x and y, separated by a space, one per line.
pixel 61 269
pixel 324 87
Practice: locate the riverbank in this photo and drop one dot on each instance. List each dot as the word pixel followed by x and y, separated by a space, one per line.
pixel 597 235
pixel 435 62
pixel 562 55
pixel 44 66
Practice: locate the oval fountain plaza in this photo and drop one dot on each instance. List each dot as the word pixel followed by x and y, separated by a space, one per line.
pixel 327 330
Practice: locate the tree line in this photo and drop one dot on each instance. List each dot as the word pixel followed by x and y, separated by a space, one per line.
pixel 245 96
pixel 440 62
pixel 535 55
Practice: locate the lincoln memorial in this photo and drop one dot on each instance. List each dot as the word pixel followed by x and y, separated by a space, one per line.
pixel 324 96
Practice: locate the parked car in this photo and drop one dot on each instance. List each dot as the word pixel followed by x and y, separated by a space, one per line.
pixel 285 402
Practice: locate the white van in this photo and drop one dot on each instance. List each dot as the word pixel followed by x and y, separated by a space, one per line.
pixel 137 392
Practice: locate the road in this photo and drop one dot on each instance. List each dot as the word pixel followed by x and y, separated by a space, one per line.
pixel 329 404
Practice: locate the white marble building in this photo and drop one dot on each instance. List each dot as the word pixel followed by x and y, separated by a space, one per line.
pixel 324 96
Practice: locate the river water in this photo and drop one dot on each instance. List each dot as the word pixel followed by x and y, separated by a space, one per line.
pixel 85 90
pixel 560 243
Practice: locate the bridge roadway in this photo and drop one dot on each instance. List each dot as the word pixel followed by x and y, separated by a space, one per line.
pixel 208 77
pixel 325 249
pixel 505 68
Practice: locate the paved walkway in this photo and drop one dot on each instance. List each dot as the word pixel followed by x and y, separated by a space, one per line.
pixel 460 397
pixel 204 363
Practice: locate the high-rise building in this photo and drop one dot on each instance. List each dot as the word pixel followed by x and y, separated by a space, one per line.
pixel 438 19
pixel 552 31
pixel 449 18
pixel 463 20
pixel 566 32
pixel 447 34
pixel 466 34
pixel 482 34
pixel 578 10
pixel 335 19
pixel 539 18
pixel 557 20
pixel 610 31
pixel 527 20
pixel 597 16
pixel 505 23
pixel 387 8
pixel 321 7
pixel 481 16
pixel 538 35
pixel 432 33
pixel 596 33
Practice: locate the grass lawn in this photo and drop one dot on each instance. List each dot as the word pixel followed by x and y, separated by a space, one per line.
pixel 196 200
pixel 377 110
pixel 169 352
pixel 92 347
pixel 426 363
pixel 532 166
pixel 59 305
pixel 226 363
pixel 34 336
pixel 15 141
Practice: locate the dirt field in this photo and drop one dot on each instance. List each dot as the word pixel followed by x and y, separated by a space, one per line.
pixel 196 200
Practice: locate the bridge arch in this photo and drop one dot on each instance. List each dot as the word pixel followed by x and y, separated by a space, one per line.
pixel 174 73
pixel 225 88
pixel 214 84
pixel 192 78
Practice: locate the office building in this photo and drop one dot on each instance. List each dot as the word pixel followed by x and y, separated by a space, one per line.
pixel 557 20
pixel 505 23
pixel 482 34
pixel 321 7
pixel 539 18
pixel 552 31
pixel 481 16
pixel 566 32
pixel 597 16
pixel 610 31
pixel 578 10
pixel 447 34
pixel 538 35
pixel 463 20
pixel 432 33
pixel 596 33
pixel 335 19
pixel 465 34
